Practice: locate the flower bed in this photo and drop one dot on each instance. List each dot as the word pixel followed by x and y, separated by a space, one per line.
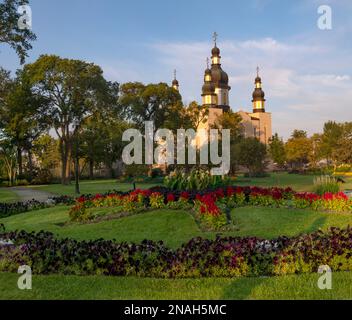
pixel 210 207
pixel 222 257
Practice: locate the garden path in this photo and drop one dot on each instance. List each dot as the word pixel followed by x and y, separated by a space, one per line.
pixel 26 194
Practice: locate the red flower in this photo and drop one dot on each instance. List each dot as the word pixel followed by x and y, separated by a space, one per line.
pixel 230 191
pixel 184 195
pixel 170 197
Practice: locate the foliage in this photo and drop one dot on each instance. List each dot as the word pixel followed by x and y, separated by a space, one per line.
pixel 152 102
pixel 135 170
pixel 276 149
pixel 222 257
pixel 73 90
pixel 324 184
pixel 232 121
pixel 8 156
pixel 252 154
pixel 298 149
pixel 197 179
pixel 10 33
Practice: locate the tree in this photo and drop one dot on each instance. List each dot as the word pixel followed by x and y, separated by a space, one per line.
pixel 101 141
pixel 252 154
pixel 23 118
pixel 8 157
pixel 298 149
pixel 331 135
pixel 316 152
pixel 10 33
pixel 46 151
pixel 231 120
pixel 73 90
pixel 152 102
pixel 342 152
pixel 276 149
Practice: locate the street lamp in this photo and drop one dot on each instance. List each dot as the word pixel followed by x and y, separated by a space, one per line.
pixel 76 128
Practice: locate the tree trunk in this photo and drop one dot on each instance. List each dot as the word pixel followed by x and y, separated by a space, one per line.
pixel 30 163
pixel 91 169
pixel 19 160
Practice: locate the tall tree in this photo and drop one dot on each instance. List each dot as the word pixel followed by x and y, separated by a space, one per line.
pixel 331 135
pixel 23 118
pixel 152 102
pixel 9 159
pixel 342 151
pixel 298 149
pixel 276 149
pixel 252 154
pixel 231 120
pixel 73 90
pixel 10 33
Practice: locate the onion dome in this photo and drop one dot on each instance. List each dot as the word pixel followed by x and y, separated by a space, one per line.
pixel 175 83
pixel 208 86
pixel 219 77
pixel 215 51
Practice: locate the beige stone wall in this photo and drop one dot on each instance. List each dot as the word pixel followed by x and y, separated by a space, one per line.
pixel 257 125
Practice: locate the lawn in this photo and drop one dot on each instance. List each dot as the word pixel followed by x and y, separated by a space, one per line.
pixel 177 227
pixel 101 287
pixel 295 181
pixel 7 195
pixel 91 187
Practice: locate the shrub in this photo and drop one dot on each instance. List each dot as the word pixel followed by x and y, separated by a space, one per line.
pixel 197 179
pixel 136 170
pixel 324 184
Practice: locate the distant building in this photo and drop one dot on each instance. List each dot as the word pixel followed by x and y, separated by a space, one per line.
pixel 215 95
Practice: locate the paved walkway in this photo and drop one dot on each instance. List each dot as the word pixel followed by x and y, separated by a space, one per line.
pixel 26 194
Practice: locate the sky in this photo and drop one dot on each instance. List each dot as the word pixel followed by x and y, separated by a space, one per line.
pixel 306 71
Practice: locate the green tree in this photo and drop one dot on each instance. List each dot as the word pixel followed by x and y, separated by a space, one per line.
pixel 46 151
pixel 231 120
pixel 276 149
pixel 298 149
pixel 23 118
pixel 252 154
pixel 9 159
pixel 101 141
pixel 342 151
pixel 332 133
pixel 10 33
pixel 152 102
pixel 73 90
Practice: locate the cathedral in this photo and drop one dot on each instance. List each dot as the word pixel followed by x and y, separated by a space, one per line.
pixel 215 96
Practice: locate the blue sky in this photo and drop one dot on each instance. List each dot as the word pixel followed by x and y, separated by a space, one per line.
pixel 306 72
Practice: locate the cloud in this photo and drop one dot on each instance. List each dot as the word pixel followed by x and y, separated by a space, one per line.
pixel 299 91
pixel 306 82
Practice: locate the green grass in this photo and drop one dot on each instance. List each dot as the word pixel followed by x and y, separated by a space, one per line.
pixel 100 287
pixel 177 227
pixel 295 181
pixel 93 187
pixel 7 195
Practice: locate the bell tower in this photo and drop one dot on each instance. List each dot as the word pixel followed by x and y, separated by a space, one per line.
pixel 258 95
